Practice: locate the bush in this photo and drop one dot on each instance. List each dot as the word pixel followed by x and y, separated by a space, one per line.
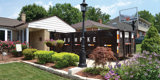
pixel 151 41
pixel 145 66
pixel 96 71
pixel 15 53
pixel 101 55
pixel 65 59
pixel 43 56
pixel 28 53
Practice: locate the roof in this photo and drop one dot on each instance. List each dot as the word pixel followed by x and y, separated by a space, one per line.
pixel 145 21
pixel 122 26
pixel 7 22
pixel 53 24
pixel 89 23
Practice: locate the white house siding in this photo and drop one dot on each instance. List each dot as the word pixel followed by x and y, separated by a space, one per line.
pixel 53 24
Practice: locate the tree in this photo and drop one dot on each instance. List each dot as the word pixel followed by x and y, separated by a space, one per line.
pixel 157 22
pixel 66 12
pixel 151 41
pixel 147 16
pixel 95 14
pixel 33 12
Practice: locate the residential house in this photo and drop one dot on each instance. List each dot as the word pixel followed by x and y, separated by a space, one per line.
pixel 142 26
pixel 92 26
pixel 35 32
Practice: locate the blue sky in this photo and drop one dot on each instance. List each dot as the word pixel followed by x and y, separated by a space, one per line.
pixel 11 8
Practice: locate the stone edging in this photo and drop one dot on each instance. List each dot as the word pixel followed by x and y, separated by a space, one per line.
pixel 9 62
pixel 59 72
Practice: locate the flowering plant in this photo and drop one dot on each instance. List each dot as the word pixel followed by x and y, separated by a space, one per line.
pixel 111 75
pixel 143 66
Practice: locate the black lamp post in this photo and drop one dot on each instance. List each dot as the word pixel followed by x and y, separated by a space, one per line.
pixel 82 61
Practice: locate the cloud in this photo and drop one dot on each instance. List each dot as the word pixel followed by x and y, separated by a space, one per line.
pixel 46 6
pixel 78 7
pixel 112 9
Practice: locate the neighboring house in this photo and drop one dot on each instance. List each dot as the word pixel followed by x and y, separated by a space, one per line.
pixel 143 26
pixel 92 26
pixel 35 32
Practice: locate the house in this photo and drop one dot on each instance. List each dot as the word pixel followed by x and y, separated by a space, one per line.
pixel 92 26
pixel 142 26
pixel 35 32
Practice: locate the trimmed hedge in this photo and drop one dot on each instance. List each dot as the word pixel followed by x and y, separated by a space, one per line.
pixel 44 56
pixel 28 53
pixel 65 59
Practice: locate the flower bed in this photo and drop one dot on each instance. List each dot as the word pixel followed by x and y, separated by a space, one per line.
pixel 144 66
pixel 10 47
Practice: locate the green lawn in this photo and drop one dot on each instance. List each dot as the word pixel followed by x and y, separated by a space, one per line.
pixel 138 47
pixel 22 71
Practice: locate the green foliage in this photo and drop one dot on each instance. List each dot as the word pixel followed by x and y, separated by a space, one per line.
pixel 96 71
pixel 50 43
pixel 151 41
pixel 33 12
pixel 15 53
pixel 147 16
pixel 59 45
pixel 145 66
pixel 157 22
pixel 66 12
pixel 65 59
pixel 95 14
pixel 28 53
pixel 43 56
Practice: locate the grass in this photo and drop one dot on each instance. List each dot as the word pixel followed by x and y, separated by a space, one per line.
pixel 22 71
pixel 138 47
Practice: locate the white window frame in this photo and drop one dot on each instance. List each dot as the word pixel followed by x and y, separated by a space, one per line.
pixel 6 33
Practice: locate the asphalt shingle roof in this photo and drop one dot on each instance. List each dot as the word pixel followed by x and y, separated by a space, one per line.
pixel 7 22
pixel 89 23
pixel 120 25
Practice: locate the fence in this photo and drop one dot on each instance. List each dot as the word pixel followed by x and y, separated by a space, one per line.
pixel 120 42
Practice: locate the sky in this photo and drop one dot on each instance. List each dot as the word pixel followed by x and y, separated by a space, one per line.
pixel 11 8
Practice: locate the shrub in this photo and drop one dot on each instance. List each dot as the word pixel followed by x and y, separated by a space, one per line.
pixel 101 55
pixel 15 53
pixel 28 53
pixel 96 71
pixel 151 41
pixel 143 66
pixel 65 59
pixel 43 56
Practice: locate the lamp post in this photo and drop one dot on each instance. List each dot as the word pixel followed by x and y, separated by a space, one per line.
pixel 82 59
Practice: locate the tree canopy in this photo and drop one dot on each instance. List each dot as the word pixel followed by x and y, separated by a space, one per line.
pixel 157 22
pixel 95 14
pixel 66 12
pixel 33 12
pixel 147 16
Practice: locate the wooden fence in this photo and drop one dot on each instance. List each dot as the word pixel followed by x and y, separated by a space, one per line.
pixel 120 42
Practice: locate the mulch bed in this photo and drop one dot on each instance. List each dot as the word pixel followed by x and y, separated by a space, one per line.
pixel 84 74
pixel 10 58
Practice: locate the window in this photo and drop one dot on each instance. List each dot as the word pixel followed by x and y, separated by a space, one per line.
pixel 2 35
pixel 9 36
pixel 5 35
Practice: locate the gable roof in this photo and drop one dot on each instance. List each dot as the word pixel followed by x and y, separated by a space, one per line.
pixel 7 22
pixel 52 23
pixel 89 23
pixel 122 26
